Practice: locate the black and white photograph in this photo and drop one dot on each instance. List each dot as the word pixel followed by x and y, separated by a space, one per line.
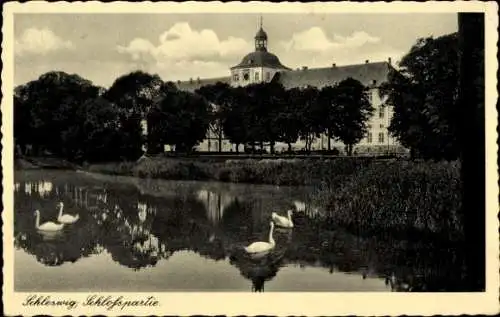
pixel 159 156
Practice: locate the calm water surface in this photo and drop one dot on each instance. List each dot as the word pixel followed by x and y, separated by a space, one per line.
pixel 151 235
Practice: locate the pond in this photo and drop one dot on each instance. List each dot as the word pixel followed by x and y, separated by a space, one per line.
pixel 153 235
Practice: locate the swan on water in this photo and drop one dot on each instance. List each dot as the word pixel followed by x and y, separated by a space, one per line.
pixel 66 219
pixel 283 221
pixel 262 246
pixel 47 226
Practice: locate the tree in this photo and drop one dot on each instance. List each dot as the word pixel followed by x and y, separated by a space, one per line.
pixel 134 94
pixel 155 119
pixel 50 104
pixel 99 137
pixel 289 120
pixel 183 120
pixel 326 99
pixel 23 121
pixel 352 109
pixel 312 113
pixel 233 116
pixel 423 94
pixel 266 101
pixel 219 95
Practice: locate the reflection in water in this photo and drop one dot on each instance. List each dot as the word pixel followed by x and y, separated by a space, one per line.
pixel 262 268
pixel 215 203
pixel 142 224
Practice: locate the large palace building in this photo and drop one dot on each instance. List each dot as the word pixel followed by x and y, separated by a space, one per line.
pixel 263 66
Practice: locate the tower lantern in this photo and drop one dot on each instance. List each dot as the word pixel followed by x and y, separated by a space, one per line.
pixel 261 39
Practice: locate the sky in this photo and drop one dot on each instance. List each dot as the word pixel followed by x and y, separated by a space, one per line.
pixel 102 47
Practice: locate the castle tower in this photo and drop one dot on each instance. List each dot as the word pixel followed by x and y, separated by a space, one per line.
pixel 258 66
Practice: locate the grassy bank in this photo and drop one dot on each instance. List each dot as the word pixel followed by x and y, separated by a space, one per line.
pixel 361 194
pixel 266 171
pixel 26 163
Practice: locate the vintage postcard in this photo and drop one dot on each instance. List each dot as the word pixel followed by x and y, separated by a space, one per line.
pixel 209 158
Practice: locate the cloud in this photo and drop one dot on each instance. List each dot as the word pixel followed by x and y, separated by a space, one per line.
pixel 315 40
pixel 181 43
pixel 314 48
pixel 40 41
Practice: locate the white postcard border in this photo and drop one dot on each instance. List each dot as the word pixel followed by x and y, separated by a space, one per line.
pixel 348 303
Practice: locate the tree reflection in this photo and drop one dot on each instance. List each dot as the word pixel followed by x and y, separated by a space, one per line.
pixel 139 228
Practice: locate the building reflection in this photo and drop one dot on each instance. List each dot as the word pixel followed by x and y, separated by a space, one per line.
pixel 215 204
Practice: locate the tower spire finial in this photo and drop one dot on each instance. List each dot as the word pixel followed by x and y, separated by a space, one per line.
pixel 261 21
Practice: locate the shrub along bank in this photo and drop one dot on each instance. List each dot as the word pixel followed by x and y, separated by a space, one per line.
pixel 265 171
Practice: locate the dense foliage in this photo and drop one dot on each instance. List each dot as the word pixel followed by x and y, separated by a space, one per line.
pixel 424 94
pixel 71 118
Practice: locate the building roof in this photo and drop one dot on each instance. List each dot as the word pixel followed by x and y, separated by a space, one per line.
pixel 192 85
pixel 260 59
pixel 319 77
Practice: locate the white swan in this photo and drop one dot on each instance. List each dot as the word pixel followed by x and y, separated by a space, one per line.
pixel 283 221
pixel 47 226
pixel 258 247
pixel 66 219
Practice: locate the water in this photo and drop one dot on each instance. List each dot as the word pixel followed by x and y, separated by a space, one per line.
pixel 151 235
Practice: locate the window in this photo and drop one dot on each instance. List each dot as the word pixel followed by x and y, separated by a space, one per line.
pixel 257 76
pixel 370 97
pixel 381 137
pixel 381 112
pixel 369 126
pixel 246 76
pixel 236 77
pixel 268 75
pixel 381 126
pixel 369 137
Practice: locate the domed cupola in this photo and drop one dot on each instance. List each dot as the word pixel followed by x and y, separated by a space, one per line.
pixel 258 66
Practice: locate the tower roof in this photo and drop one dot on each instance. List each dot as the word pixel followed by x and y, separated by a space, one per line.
pixel 261 34
pixel 260 59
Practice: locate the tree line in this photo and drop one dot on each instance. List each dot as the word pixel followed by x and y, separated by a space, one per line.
pixel 72 118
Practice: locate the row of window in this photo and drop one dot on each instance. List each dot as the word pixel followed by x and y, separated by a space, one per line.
pixel 381 136
pixel 246 76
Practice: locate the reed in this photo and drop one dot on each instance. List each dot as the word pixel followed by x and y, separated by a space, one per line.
pixel 398 196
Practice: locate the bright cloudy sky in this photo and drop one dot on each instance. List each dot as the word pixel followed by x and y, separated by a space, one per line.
pixel 101 47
